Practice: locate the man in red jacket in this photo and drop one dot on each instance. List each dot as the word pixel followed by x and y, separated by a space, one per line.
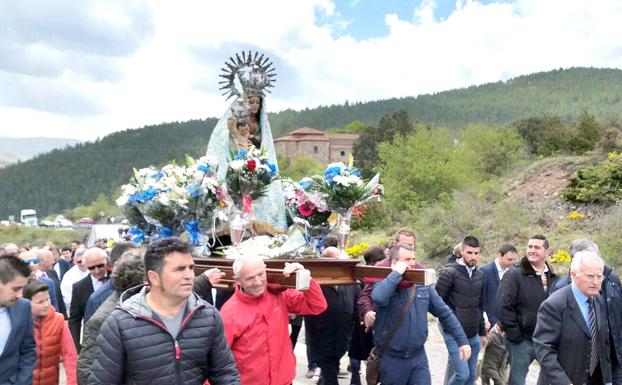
pixel 256 322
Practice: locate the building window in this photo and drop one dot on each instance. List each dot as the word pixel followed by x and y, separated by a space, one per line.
pixel 315 149
pixel 343 153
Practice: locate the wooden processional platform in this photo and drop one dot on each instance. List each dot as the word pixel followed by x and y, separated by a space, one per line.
pixel 325 271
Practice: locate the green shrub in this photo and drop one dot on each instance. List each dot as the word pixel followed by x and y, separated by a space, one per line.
pixel 597 184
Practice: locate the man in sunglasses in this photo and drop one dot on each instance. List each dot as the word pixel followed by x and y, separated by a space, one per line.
pixel 95 262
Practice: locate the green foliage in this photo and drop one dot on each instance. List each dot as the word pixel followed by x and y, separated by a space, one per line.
pixel 75 176
pixel 365 148
pixel 563 92
pixel 588 133
pixel 547 135
pixel 300 167
pixel 103 203
pixel 544 135
pixel 597 184
pixel 490 151
pixel 420 168
pixel 39 236
pixel 375 215
pixel 609 237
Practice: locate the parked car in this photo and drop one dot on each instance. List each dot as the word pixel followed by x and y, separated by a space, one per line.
pixel 63 222
pixel 85 222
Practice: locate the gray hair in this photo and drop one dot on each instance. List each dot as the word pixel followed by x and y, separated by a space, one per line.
pixel 79 252
pixel 395 250
pixel 582 244
pixel 244 259
pixel 582 256
pixel 129 271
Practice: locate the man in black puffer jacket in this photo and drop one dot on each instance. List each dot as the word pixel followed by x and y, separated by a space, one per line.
pixel 521 292
pixel 163 333
pixel 461 285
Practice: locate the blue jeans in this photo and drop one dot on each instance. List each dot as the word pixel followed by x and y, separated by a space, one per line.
pixel 464 372
pixel 405 371
pixel 521 356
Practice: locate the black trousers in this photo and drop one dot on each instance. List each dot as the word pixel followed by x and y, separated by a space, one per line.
pixel 330 369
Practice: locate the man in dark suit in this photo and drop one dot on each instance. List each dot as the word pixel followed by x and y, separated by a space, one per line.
pixel 18 354
pixel 48 269
pixel 571 339
pixel 95 260
pixel 493 272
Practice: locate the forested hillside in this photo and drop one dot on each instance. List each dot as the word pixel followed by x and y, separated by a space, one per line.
pixel 63 179
pixel 562 93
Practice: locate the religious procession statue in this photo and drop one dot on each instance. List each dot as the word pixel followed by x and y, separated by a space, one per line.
pixel 243 127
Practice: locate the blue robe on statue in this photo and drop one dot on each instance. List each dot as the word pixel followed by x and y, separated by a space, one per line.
pixel 269 211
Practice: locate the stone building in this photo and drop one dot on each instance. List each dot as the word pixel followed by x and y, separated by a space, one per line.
pixel 325 147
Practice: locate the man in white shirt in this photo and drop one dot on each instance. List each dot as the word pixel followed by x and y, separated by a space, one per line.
pixel 493 272
pixel 76 273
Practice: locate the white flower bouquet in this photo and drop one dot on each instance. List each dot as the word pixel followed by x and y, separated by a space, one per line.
pixel 173 200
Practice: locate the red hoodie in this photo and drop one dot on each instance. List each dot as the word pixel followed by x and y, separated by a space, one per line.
pixel 257 331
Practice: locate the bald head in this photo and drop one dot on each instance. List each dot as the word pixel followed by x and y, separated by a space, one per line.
pixel 46 259
pixel 11 249
pixel 331 252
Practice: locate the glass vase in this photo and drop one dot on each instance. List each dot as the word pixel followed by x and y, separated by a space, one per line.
pixel 343 232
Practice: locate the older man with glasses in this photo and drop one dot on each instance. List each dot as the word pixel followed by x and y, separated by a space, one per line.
pixel 95 261
pixel 76 273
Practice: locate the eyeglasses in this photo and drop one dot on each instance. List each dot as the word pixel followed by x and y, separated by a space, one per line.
pixel 100 266
pixel 27 262
pixel 593 277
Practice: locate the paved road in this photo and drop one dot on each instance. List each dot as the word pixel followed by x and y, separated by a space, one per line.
pixel 435 349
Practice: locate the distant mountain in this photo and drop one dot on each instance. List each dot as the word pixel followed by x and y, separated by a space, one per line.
pixel 26 148
pixel 63 179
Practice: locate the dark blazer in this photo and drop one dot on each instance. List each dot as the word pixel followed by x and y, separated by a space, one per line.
pixel 81 291
pixel 63 267
pixel 59 296
pixel 491 279
pixel 562 340
pixel 19 357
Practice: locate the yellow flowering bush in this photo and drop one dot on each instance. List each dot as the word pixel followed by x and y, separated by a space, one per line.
pixel 356 251
pixel 561 256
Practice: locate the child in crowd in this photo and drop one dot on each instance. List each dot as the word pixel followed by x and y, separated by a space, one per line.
pixel 495 359
pixel 52 337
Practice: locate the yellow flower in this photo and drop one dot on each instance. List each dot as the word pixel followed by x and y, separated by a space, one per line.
pixel 561 256
pixel 357 250
pixel 575 215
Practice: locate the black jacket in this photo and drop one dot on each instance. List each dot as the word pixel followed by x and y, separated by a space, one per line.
pixel 519 297
pixel 330 332
pixel 562 340
pixel 464 295
pixel 80 293
pixel 135 348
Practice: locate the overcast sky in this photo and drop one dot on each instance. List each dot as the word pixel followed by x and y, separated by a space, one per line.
pixel 83 69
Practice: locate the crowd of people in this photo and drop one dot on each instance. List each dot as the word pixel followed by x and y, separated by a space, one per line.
pixel 134 315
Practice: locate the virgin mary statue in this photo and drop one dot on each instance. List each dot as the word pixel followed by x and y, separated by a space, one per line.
pixel 244 124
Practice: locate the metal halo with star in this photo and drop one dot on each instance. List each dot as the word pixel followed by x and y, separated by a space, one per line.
pixel 248 75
